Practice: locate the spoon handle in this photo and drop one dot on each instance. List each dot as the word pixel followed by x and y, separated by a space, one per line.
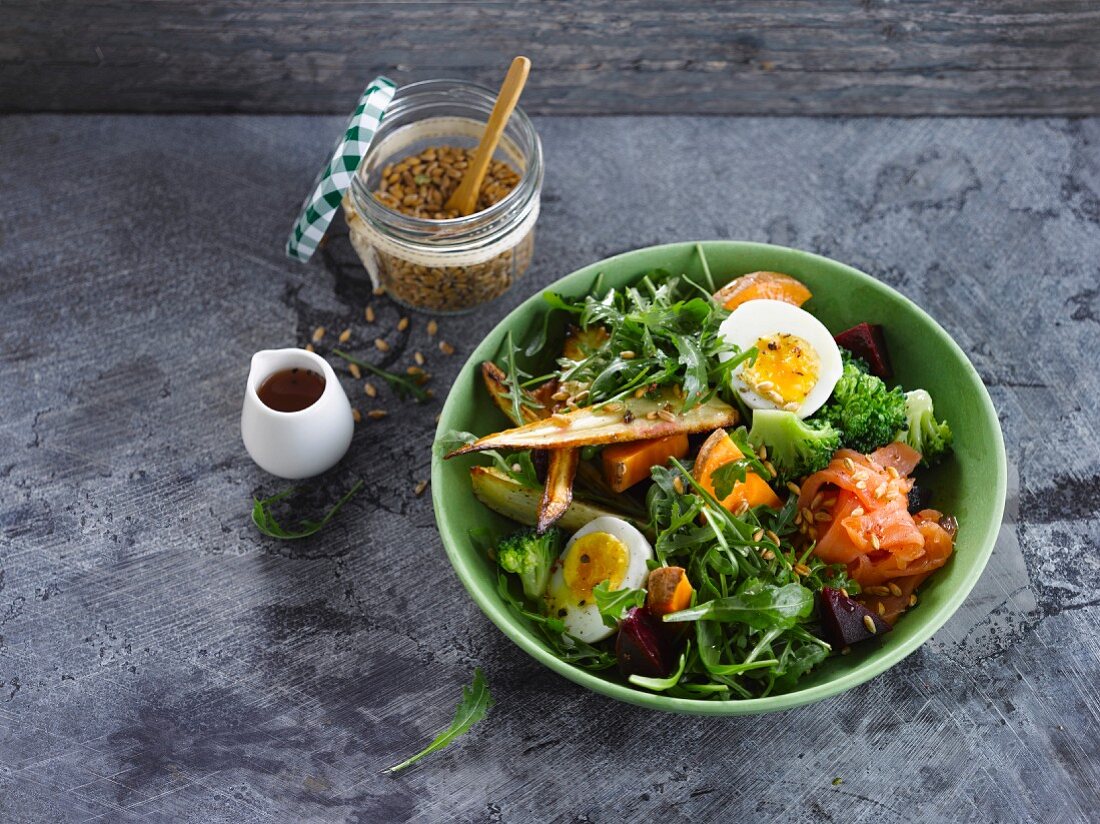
pixel 464 198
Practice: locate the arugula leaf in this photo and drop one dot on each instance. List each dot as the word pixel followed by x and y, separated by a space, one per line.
pixel 514 377
pixel 403 385
pixel 471 709
pixel 759 605
pixel 519 466
pixel 266 523
pixel 613 603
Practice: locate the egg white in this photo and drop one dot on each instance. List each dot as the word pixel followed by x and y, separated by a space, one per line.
pixel 584 621
pixel 755 319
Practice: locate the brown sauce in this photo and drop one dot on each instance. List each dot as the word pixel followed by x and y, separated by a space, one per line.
pixel 292 390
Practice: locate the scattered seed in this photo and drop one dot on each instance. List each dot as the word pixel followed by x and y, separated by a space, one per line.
pixel 764 386
pixel 309 347
pixel 433 327
pixel 816 502
pixel 651 416
pixel 559 420
pixel 626 354
pixel 861 484
pixel 345 336
pixel 419 358
pixel 798 520
pixel 402 324
pixel 844 592
pixel 869 622
pixel 678 485
pixel 370 389
pixel 849 465
pixel 772 537
pixel 767 555
pixel 892 472
pixel 801 569
pixel 877 590
pixel 875 541
pixel 756 536
pixel 857 512
pixel 822 517
pixel 355 371
pixel 418 490
pixel 742 508
pixel 381 345
pixel 414 370
pixel 559 396
pixel 762 452
pixel 377 414
pixel 807 516
pixel 861 475
pixel 639 392
pixel 517 467
pixel 446 348
pixel 379 291
pixel 829 503
pixel 665 415
pixel 369 313
pixel 913 600
pixel 318 333
pixel 355 416
pixel 881 608
pixel 880 490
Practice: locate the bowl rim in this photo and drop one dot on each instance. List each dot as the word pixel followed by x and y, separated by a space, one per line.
pixel 497 612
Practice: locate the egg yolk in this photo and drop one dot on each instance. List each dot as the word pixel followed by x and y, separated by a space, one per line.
pixel 595 557
pixel 785 370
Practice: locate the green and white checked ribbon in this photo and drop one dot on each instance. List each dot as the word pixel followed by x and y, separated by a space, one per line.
pixel 336 176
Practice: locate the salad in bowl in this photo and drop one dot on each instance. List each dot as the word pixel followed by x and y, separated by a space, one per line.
pixel 701 490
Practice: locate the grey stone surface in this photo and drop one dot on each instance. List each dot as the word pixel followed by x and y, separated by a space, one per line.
pixel 597 57
pixel 160 660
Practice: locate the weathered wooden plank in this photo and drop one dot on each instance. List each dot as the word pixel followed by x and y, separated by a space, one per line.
pixel 599 57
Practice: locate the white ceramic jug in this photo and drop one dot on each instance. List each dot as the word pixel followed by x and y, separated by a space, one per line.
pixel 295 444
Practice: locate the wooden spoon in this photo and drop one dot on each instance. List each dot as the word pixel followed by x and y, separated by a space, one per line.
pixel 464 198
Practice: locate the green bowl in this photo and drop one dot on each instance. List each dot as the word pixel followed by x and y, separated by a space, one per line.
pixel 971 485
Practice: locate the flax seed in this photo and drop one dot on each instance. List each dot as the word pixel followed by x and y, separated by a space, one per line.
pixel 418 490
pixel 762 452
pixel 626 354
pixel 881 608
pixel 772 537
pixel 857 512
pixel 370 389
pixel 756 536
pixel 559 396
pixel 892 472
pixel 849 465
pixel 895 590
pixel 822 517
pixel 433 327
pixel 355 371
pixel 665 415
pixel 807 516
pixel 816 502
pixel 381 345
pixel 844 592
pixel 874 541
pixel 742 508
pixel 880 490
pixel 861 484
pixel 402 324
pixel 446 348
pixel 829 503
pixel 678 486
pixel 318 333
pixel 369 314
pixel 913 600
pixel 869 622
pixel 355 416
pixel 640 392
pixel 419 358
pixel 801 569
pixel 309 347
pixel 651 416
pixel 877 590
pixel 377 414
pixel 415 371
pixel 794 488
pixel 767 555
pixel 771 468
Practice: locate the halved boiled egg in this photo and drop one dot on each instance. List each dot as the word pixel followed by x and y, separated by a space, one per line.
pixel 797 363
pixel 605 549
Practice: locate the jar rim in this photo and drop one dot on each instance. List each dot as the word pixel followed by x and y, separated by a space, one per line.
pixel 527 187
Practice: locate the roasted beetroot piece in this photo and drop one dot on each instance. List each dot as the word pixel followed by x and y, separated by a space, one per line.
pixel 867 341
pixel 847 622
pixel 639 646
pixel 920 497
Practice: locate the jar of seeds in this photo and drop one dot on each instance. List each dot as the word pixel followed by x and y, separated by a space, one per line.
pixel 423 255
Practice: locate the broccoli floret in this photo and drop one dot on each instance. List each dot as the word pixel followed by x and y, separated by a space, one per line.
pixel 867 413
pixel 922 432
pixel 796 448
pixel 530 556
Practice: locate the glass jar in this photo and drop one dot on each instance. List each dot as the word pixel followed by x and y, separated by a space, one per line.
pixel 448 265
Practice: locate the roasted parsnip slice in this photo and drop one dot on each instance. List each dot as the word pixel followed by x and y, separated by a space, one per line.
pixel 521 503
pixel 635 419
pixel 496 383
pixel 558 493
